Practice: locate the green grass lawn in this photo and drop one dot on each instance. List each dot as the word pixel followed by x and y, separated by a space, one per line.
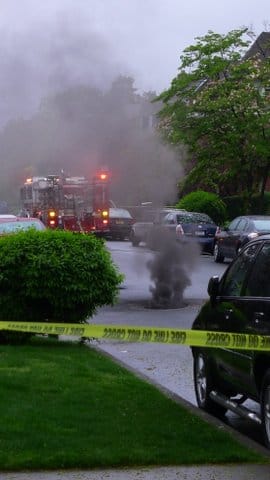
pixel 64 405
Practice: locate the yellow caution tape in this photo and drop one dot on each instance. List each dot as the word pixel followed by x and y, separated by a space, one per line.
pixel 196 338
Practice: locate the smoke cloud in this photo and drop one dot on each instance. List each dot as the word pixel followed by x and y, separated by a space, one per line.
pixel 51 56
pixel 170 270
pixel 68 102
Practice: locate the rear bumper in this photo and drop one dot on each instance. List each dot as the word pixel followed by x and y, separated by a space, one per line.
pixel 206 244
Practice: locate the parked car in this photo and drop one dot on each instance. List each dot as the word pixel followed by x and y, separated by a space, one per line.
pixel 230 240
pixel 192 226
pixel 146 229
pixel 120 223
pixel 224 378
pixel 13 224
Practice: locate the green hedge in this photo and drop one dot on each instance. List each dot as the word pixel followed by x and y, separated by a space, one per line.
pixel 204 202
pixel 55 276
pixel 236 205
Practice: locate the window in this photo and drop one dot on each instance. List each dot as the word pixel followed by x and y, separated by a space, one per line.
pixel 119 213
pixel 233 224
pixel 182 218
pixel 169 219
pixel 242 225
pixel 234 278
pixel 262 225
pixel 259 281
pixel 201 218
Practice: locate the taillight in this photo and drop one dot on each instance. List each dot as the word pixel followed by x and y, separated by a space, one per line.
pixel 179 231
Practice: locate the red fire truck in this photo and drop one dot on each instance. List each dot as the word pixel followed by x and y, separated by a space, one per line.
pixel 71 203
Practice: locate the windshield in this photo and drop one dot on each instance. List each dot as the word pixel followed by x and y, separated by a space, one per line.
pixel 9 227
pixel 119 213
pixel 194 218
pixel 184 219
pixel 262 224
pixel 202 218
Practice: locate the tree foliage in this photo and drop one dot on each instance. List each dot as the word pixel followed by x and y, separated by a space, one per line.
pixel 218 105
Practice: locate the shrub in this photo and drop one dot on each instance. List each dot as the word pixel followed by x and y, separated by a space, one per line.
pixel 55 276
pixel 204 202
pixel 235 206
pixel 258 206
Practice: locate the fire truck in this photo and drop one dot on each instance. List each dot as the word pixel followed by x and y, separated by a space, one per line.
pixel 70 203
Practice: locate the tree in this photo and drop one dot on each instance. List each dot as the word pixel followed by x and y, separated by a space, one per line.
pixel 218 106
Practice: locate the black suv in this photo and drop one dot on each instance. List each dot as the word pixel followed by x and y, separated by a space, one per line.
pixel 224 378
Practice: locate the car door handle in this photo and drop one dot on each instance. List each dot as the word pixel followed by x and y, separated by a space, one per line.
pixel 258 317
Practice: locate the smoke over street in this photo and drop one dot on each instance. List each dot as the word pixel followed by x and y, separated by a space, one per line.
pixel 170 270
pixel 70 102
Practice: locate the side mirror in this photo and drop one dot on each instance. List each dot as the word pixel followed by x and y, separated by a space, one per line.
pixel 213 287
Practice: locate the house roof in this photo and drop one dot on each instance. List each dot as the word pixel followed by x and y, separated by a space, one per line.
pixel 260 47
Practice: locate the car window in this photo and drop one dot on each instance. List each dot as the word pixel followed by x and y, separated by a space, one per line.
pixel 201 218
pixel 184 218
pixel 233 224
pixel 261 225
pixel 160 217
pixel 233 279
pixel 242 224
pixel 119 213
pixel 259 281
pixel 9 227
pixel 169 218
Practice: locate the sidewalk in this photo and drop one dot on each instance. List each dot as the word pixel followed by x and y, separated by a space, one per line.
pixel 226 472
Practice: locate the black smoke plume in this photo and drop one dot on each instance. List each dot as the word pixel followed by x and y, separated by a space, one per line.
pixel 170 270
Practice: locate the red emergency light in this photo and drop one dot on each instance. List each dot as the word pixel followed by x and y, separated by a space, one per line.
pixel 103 176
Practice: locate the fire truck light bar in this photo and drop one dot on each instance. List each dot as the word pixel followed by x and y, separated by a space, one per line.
pixel 103 176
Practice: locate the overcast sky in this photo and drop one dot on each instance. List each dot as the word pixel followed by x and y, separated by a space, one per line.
pixel 47 45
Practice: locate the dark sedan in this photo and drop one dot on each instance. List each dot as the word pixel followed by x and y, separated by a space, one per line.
pixel 192 226
pixel 229 241
pixel 120 223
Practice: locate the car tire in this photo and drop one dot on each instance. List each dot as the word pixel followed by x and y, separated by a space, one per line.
pixel 265 408
pixel 203 386
pixel 218 257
